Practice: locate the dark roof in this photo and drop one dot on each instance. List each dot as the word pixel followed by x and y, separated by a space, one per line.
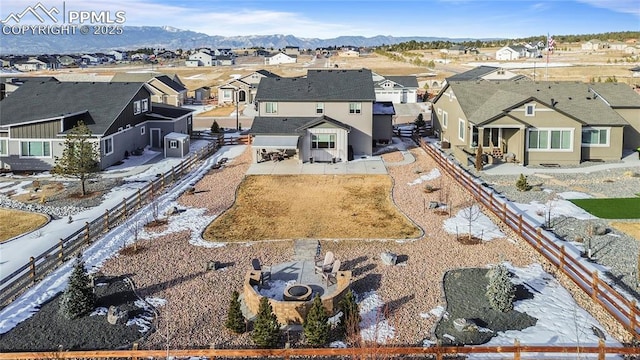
pixel 473 74
pixel 165 111
pixel 37 100
pixel 278 125
pixel 134 77
pixel 267 73
pixel 170 83
pixel 224 57
pixel 405 81
pixel 637 68
pixel 383 108
pixel 319 85
pixel 22 80
pixel 486 100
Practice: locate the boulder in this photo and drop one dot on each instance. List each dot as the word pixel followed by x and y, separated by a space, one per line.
pixel 600 230
pixel 172 211
pixel 389 258
pixel 116 317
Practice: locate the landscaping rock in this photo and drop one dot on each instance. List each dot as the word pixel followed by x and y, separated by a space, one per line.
pixel 172 211
pixel 389 258
pixel 116 317
pixel 600 230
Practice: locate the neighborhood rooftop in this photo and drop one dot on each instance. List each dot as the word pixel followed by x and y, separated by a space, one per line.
pixel 330 85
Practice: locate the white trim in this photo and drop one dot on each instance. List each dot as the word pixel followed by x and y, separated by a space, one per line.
pixel 532 107
pixel 35 157
pixel 6 143
pixel 462 124
pixel 445 119
pixel 548 148
pixel 599 128
pixel 357 108
pixel 143 130
pixel 151 136
pixel 103 145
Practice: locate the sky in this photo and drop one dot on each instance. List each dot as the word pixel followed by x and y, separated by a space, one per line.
pixel 551 304
pixel 331 18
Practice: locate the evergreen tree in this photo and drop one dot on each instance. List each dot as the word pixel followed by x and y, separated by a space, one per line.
pixel 266 330
pixel 316 325
pixel 79 158
pixel 78 299
pixel 235 319
pixel 522 183
pixel 500 291
pixel 350 322
pixel 419 122
pixel 215 128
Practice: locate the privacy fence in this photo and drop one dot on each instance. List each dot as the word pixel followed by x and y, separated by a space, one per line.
pixel 569 261
pixel 39 266
pixel 515 352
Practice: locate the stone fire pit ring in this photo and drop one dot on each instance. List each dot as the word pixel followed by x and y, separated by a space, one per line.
pixel 297 292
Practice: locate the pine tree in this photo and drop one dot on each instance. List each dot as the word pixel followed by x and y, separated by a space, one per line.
pixel 350 322
pixel 79 158
pixel 78 299
pixel 316 325
pixel 215 128
pixel 500 291
pixel 266 330
pixel 522 183
pixel 235 319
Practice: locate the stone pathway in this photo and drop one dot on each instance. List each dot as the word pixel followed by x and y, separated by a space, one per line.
pixel 408 159
pixel 305 249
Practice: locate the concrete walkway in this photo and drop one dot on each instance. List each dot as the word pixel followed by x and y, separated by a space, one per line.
pixel 369 166
pixel 408 158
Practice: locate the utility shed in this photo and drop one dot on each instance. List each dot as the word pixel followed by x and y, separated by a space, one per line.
pixel 176 145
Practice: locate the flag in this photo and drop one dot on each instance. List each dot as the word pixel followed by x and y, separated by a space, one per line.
pixel 550 43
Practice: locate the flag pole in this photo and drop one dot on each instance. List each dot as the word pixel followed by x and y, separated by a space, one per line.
pixel 546 70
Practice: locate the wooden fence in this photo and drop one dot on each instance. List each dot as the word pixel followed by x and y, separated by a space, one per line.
pixel 39 266
pixel 221 139
pixel 622 309
pixel 516 352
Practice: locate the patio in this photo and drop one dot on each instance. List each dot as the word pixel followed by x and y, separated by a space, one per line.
pixel 369 166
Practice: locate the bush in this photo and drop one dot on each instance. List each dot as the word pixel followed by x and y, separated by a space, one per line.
pixel 316 325
pixel 349 325
pixel 500 291
pixel 266 330
pixel 78 299
pixel 419 122
pixel 215 128
pixel 235 319
pixel 522 183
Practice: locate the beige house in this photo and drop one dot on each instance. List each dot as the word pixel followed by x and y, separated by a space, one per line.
pixel 165 89
pixel 536 123
pixel 594 44
pixel 280 58
pixel 243 89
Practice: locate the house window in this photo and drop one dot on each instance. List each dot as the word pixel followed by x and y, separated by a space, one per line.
pixel 173 144
pixel 107 146
pixel 145 105
pixel 136 107
pixel 319 108
pixel 461 124
pixel 439 111
pixel 120 128
pixel 595 137
pixel 271 107
pixel 143 130
pixel 445 119
pixel 323 141
pixel 128 126
pixel 35 148
pixel 355 108
pixel 530 110
pixel 550 139
pixel 4 148
pixel 226 94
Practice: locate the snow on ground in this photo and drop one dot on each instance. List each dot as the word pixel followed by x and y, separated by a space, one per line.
pixel 560 320
pixel 397 144
pixel 133 160
pixel 431 175
pixel 536 211
pixel 481 226
pixel 374 326
pixel 275 290
pixel 15 188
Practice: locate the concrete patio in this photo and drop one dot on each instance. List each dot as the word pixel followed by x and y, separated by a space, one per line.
pixel 369 166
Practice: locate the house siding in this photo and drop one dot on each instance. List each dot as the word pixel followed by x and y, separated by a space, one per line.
pixel 631 132
pixel 611 152
pixel 41 130
pixel 127 116
pixel 382 127
pixel 339 152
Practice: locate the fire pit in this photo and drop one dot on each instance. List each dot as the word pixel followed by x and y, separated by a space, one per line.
pixel 297 292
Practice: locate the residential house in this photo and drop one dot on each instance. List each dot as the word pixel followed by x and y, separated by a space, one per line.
pixel 485 72
pixel 202 93
pixel 165 89
pixel 89 59
pixel 537 123
pixel 225 60
pixel 67 60
pixel 632 49
pixel 139 57
pixel 326 116
pixel 121 118
pixel 32 64
pixel 243 89
pixel 6 63
pixel 619 46
pixel 9 85
pixel 595 44
pixel 291 50
pixel 167 55
pixel 396 89
pixel 280 58
pixel 511 52
pixel 455 50
pixel 201 58
pixel 118 55
pixel 261 52
pixel 222 52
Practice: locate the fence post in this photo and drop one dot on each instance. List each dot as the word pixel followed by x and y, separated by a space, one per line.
pixel 61 253
pixel 562 256
pixel 479 192
pixel 124 207
pixel 134 348
pixel 632 318
pixel 520 224
pixel 594 285
pixel 87 234
pixel 601 349
pixel 106 220
pixel 32 260
pixel 173 174
pixel 139 199
pixel 491 201
pixel 504 212
pixel 162 181
pixel 516 352
pixel 538 238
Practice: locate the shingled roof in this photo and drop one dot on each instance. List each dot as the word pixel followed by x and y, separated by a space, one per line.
pixel 404 81
pixel 485 100
pixel 38 100
pixel 276 125
pixel 319 85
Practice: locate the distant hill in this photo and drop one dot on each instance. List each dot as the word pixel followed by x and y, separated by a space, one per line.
pixel 135 37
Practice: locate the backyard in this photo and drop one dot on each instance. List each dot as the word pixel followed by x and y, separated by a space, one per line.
pixel 614 208
pixel 19 222
pixel 347 206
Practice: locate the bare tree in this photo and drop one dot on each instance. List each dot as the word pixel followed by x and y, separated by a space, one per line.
pixel 470 213
pixel 551 202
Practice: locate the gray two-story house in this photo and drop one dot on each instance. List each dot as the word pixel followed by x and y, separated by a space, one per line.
pixel 329 115
pixel 34 121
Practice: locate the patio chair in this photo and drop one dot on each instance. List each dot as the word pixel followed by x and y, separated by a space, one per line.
pixel 331 274
pixel 265 273
pixel 327 264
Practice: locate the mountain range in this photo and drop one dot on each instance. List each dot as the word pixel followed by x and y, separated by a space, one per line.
pixel 167 37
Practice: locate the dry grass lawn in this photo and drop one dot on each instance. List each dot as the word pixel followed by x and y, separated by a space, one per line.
pixel 629 228
pixel 224 110
pixel 312 206
pixel 16 222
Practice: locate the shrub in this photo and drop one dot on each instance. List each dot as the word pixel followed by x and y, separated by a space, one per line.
pixel 316 325
pixel 350 322
pixel 419 122
pixel 235 319
pixel 522 183
pixel 78 299
pixel 500 291
pixel 266 330
pixel 215 128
